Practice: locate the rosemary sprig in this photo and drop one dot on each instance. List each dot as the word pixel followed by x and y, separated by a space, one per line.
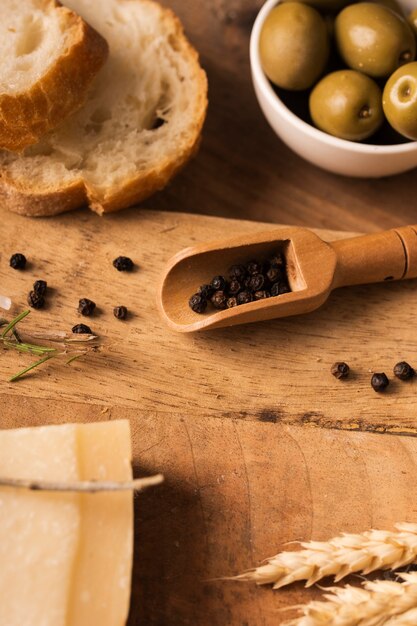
pixel 28 369
pixel 13 323
pixel 11 339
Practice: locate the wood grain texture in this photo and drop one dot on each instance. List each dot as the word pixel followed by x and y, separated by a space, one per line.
pixel 235 492
pixel 274 371
pixel 243 170
pixel 252 432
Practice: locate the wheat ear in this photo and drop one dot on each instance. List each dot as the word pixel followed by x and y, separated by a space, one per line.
pixel 409 618
pixel 378 603
pixel 373 550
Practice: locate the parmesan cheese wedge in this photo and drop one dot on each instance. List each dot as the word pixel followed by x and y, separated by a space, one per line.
pixel 66 558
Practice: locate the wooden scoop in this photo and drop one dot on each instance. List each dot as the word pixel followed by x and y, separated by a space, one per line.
pixel 314 269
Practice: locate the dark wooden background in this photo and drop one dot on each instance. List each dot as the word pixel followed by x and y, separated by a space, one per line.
pixel 243 170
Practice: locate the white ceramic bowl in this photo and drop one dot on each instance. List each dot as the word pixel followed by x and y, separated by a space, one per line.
pixel 330 153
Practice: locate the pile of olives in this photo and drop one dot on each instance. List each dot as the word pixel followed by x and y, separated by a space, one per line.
pixel 366 52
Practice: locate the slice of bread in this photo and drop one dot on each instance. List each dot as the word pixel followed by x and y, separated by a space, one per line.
pixel 49 57
pixel 139 126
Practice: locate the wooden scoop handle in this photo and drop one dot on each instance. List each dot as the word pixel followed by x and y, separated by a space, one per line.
pixel 390 255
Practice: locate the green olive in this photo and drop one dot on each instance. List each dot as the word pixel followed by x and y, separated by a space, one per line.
pixel 412 20
pixel 391 4
pixel 347 104
pixel 325 5
pixel 400 100
pixel 294 46
pixel 373 39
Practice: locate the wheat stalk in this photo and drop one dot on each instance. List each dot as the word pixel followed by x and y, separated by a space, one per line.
pixel 409 618
pixel 349 553
pixel 379 603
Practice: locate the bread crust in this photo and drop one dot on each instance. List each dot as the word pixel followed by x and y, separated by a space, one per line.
pixel 49 203
pixel 25 117
pixel 133 190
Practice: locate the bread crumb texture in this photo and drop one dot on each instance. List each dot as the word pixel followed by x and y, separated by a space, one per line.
pixel 140 124
pixel 49 56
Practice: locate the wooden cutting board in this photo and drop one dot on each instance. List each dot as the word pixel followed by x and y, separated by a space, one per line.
pixel 259 444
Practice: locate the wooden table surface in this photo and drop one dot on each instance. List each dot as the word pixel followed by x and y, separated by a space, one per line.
pixel 243 170
pixel 242 480
pixel 258 443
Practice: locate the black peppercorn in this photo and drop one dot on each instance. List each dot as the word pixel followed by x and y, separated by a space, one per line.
pixel 244 297
pixel 261 295
pixel 40 286
pixel 206 291
pixel 219 300
pixel 255 282
pixel 275 274
pixel 82 329
pixel 340 370
pixel 404 371
pixel 36 300
pixel 234 287
pixel 253 267
pixel 123 264
pixel 86 307
pixel 279 289
pixel 237 272
pixel 218 283
pixel 197 303
pixel 120 312
pixel 277 260
pixel 18 261
pixel 379 382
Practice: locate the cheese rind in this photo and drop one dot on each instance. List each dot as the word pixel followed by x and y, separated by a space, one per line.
pixel 65 559
pixel 106 540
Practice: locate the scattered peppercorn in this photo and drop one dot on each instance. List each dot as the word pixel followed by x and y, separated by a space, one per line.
pixel 237 272
pixel 218 283
pixel 219 300
pixel 120 312
pixel 206 291
pixel 40 286
pixel 123 264
pixel 379 382
pixel 232 302
pixel 18 261
pixel 36 300
pixel 82 329
pixel 404 371
pixel 340 370
pixel 197 303
pixel 86 307
pixel 244 297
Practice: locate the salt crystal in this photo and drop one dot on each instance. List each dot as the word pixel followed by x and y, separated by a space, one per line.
pixel 5 303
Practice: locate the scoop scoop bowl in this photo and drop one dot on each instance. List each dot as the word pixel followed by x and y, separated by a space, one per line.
pixel 314 269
